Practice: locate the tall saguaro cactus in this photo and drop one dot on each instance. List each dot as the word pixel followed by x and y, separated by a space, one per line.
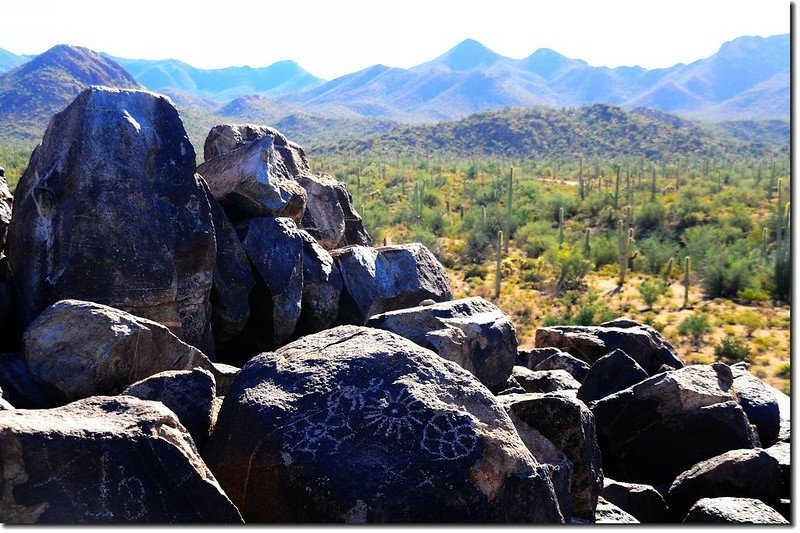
pixel 587 246
pixel 581 186
pixel 653 183
pixel 498 272
pixel 687 263
pixel 560 226
pixel 625 246
pixel 508 214
pixel 616 190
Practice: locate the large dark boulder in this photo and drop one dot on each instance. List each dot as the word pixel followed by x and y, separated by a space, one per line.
pixel 782 452
pixel 110 210
pixel 471 332
pixel 737 473
pixel 322 288
pixel 233 281
pixel 384 279
pixel 187 393
pixel 564 361
pixel 608 513
pixel 642 343
pixel 569 425
pixel 78 349
pixel 609 374
pixel 728 510
pixel 759 404
pixel 360 425
pixel 544 380
pixel 643 502
pixel 19 388
pixel 275 248
pixel 105 460
pixel 531 357
pixel 653 431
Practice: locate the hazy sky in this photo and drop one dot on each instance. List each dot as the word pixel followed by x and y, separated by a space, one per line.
pixel 334 37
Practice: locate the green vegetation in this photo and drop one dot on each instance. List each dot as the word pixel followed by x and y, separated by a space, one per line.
pixel 732 350
pixel 696 326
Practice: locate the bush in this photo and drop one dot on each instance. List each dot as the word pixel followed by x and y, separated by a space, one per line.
pixel 750 320
pixel 723 275
pixel 605 251
pixel 784 371
pixel 651 292
pixel 650 217
pixel 732 350
pixel 695 325
pixel 750 294
pixel 551 320
pixel 569 265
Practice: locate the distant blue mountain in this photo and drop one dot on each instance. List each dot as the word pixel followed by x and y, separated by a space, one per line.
pixel 9 60
pixel 220 84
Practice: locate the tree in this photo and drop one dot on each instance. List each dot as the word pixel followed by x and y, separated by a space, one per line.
pixel 732 350
pixel 651 292
pixel 695 325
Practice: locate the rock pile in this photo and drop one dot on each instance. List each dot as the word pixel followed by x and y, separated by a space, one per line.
pixel 221 342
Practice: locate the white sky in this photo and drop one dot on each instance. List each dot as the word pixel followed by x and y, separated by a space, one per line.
pixel 334 37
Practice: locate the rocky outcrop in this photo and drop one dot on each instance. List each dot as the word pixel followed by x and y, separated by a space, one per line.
pixel 187 393
pixel 322 288
pixel 608 513
pixel 733 511
pixel 782 452
pixel 530 358
pixel 737 473
pixel 384 279
pixel 105 460
pixel 643 502
pixel 275 248
pixel 471 332
pixel 18 386
pixel 569 425
pixel 78 349
pixel 544 380
pixel 110 210
pixel 609 374
pixel 653 431
pixel 759 404
pixel 642 343
pixel 360 425
pixel 563 361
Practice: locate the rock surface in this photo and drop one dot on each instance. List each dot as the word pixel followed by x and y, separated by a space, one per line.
pixel 653 431
pixel 569 425
pixel 530 358
pixel 471 332
pixel 384 279
pixel 643 502
pixel 608 513
pixel 782 452
pixel 640 342
pixel 759 404
pixel 187 393
pixel 322 288
pixel 737 473
pixel 360 425
pixel 18 386
pixel 733 511
pixel 78 349
pixel 110 210
pixel 610 374
pixel 275 248
pixel 563 361
pixel 6 202
pixel 105 460
pixel 544 380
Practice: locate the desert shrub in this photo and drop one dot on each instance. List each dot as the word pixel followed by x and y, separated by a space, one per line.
pixel 477 250
pixel 605 251
pixel 656 252
pixel 695 326
pixel 750 320
pixel 551 320
pixel 569 265
pixel 784 371
pixel 732 350
pixel 651 291
pixel 751 294
pixel 650 217
pixel 724 275
pixel 535 238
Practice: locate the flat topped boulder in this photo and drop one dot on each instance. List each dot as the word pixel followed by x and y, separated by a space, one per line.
pixel 105 460
pixel 471 332
pixel 360 425
pixel 642 343
pixel 110 210
pixel 77 349
pixel 388 278
pixel 729 510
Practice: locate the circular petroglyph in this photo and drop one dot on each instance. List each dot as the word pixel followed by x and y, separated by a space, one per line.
pixel 449 436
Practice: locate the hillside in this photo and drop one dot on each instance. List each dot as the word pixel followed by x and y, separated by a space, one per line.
pixel 220 84
pixel 598 130
pixel 31 93
pixel 9 60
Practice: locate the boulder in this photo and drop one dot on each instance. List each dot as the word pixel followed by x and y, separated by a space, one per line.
pixel 782 452
pixel 608 513
pixel 6 202
pixel 324 218
pixel 733 511
pixel 275 248
pixel 511 386
pixel 547 453
pixel 544 380
pixel 361 425
pixel 471 332
pixel 354 232
pixel 640 342
pixel 609 374
pixel 110 210
pixel 563 361
pixel 569 425
pixel 187 393
pixel 253 180
pixel 759 404
pixel 18 386
pixel 105 460
pixel 322 288
pixel 224 376
pixel 233 281
pixel 737 473
pixel 384 279
pixel 653 431
pixel 77 349
pixel 530 358
pixel 643 502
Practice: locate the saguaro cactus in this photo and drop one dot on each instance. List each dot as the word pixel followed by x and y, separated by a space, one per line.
pixel 580 180
pixel 668 270
pixel 587 247
pixel 653 183
pixel 498 272
pixel 687 263
pixel 560 226
pixel 626 242
pixel 508 213
pixel 616 190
